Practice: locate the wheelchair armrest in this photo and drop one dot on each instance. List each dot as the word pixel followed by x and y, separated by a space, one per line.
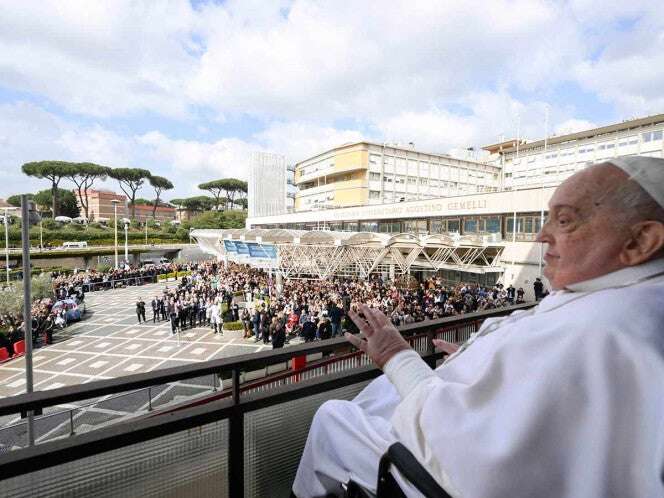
pixel 404 461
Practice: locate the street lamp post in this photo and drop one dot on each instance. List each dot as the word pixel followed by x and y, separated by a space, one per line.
pixel 115 203
pixel 7 209
pixel 126 226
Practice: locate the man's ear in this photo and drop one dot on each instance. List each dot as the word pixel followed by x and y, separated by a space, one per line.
pixel 646 242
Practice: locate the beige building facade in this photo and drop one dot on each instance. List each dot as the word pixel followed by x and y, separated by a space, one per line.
pixel 366 173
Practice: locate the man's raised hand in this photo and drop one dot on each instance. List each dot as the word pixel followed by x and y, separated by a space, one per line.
pixel 382 339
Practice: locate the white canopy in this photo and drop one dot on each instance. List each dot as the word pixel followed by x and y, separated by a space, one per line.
pixel 323 253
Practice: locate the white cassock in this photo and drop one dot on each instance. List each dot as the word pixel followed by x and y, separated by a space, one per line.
pixel 563 400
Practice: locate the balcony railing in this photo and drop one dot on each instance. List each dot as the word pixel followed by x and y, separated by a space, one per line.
pixel 244 441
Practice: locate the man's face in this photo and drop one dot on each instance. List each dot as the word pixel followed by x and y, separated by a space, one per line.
pixel 582 237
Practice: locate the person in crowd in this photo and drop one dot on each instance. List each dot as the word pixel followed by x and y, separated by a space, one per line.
pixel 511 294
pixel 140 309
pixel 309 330
pixel 155 309
pixel 246 323
pixel 235 308
pixel 215 319
pixel 265 326
pixel 593 410
pixel 538 288
pixel 256 321
pixel 520 295
pixel 324 329
pixel 335 314
pixel 278 333
pixel 173 315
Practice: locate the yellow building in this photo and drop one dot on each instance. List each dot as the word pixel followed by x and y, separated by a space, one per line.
pixel 366 173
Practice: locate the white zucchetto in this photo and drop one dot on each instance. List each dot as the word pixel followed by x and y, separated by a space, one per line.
pixel 648 172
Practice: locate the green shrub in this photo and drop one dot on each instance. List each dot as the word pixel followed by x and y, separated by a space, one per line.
pixel 103 267
pixel 233 325
pixel 49 224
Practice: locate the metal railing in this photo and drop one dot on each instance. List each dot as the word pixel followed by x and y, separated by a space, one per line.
pixel 246 427
pixel 113 283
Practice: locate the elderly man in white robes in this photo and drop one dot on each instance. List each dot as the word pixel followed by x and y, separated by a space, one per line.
pixel 565 399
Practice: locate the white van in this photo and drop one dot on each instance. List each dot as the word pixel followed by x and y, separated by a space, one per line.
pixel 74 245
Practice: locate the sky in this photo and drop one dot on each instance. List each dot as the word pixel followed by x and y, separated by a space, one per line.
pixel 188 89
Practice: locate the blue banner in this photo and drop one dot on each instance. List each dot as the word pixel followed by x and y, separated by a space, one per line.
pixel 241 248
pixel 229 245
pixel 262 251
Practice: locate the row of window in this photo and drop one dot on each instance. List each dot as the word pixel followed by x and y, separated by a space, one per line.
pixel 526 224
pixel 624 142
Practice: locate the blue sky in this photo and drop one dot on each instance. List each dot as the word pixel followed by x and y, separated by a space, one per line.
pixel 190 90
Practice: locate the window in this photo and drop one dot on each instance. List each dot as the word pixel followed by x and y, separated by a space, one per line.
pixel 528 225
pixel 453 225
pixel 374 176
pixel 374 194
pixel 469 225
pixel 369 226
pixel 652 135
pixel 492 224
pixel 437 225
pixel 412 180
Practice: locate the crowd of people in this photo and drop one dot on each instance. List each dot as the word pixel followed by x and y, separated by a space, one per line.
pixel 271 312
pixel 65 284
pixel 312 309
pixel 69 289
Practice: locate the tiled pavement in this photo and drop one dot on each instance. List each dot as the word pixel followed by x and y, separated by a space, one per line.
pixel 110 343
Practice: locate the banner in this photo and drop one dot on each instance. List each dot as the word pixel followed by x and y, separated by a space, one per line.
pixel 229 245
pixel 241 248
pixel 262 251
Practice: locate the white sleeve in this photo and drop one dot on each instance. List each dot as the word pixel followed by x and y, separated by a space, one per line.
pixel 406 370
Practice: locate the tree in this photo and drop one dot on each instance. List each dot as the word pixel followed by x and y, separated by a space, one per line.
pixel 197 203
pixel 11 300
pixel 159 183
pixel 130 180
pixel 234 187
pixel 54 171
pixel 243 203
pixel 216 188
pixel 68 205
pixel 15 200
pixel 84 175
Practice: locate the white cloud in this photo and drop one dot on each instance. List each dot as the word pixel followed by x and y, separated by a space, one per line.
pixel 299 140
pixel 574 125
pixel 316 74
pixel 99 58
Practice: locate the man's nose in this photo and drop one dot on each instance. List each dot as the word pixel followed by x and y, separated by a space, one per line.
pixel 543 235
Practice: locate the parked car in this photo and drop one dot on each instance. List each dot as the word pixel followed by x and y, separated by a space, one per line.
pixel 74 308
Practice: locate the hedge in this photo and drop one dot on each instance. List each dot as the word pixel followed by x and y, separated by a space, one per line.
pixel 233 325
pixel 175 275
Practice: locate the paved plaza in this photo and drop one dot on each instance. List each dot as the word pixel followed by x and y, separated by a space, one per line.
pixel 110 343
